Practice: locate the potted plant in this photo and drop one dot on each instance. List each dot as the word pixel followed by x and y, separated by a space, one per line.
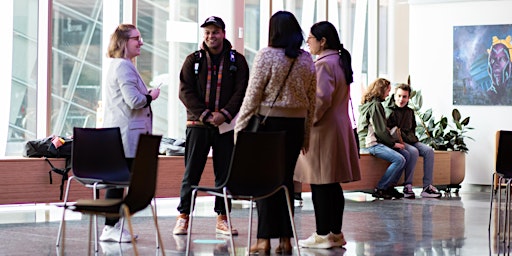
pixel 443 135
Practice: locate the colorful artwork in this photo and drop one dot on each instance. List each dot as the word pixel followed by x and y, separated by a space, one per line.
pixel 482 65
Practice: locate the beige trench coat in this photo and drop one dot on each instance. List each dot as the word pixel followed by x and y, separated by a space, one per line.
pixel 333 154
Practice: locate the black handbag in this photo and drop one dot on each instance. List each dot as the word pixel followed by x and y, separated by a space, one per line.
pixel 257 120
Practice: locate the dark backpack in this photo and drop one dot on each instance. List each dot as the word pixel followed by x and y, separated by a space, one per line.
pixel 45 148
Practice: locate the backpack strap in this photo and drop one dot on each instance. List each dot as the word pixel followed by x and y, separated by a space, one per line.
pixel 197 61
pixel 63 172
pixel 232 66
pixel 199 54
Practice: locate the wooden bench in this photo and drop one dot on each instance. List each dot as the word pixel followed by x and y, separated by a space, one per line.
pixel 26 180
pixel 372 169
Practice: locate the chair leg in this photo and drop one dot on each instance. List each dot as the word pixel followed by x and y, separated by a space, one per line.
pixel 63 233
pixel 228 215
pixel 61 225
pixel 249 230
pixel 190 221
pixel 158 236
pixel 89 236
pixel 492 197
pixel 155 217
pixel 95 194
pixel 292 222
pixel 499 206
pixel 126 212
pixel 507 214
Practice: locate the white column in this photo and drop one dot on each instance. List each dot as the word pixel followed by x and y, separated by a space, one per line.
pixel 398 44
pixel 44 76
pixel 6 12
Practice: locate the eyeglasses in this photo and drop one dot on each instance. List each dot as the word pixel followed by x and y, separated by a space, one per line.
pixel 138 38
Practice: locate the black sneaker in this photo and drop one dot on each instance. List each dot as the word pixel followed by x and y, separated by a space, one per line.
pixel 408 193
pixel 430 191
pixel 381 193
pixel 394 193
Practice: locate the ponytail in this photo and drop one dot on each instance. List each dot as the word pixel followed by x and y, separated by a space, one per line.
pixel 346 64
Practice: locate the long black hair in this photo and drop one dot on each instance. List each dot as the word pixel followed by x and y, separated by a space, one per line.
pixel 332 41
pixel 285 32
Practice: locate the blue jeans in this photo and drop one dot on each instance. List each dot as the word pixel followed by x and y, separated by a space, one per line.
pixel 420 149
pixel 394 171
pixel 411 157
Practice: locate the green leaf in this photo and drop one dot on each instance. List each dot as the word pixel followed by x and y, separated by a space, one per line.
pixel 456 114
pixel 465 122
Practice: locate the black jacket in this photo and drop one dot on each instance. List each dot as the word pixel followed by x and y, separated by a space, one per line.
pixel 193 87
pixel 402 118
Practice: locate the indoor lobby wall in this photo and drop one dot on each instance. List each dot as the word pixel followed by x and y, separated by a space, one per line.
pixel 431 68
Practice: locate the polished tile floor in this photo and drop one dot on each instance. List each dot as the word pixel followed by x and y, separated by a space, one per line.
pixel 451 225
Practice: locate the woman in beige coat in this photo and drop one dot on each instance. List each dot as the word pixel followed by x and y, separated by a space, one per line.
pixel 333 155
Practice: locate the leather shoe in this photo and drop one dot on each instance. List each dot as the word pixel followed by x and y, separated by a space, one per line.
pixel 262 247
pixel 285 247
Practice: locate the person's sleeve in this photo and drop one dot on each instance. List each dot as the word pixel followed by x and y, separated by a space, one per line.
pixel 260 75
pixel 379 125
pixel 128 78
pixel 324 89
pixel 241 76
pixel 189 90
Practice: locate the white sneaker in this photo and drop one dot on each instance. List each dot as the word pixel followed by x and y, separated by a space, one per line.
pixel 337 240
pixel 113 234
pixel 316 241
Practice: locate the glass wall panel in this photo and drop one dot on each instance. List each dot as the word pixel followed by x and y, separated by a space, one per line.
pixel 252 30
pixel 182 13
pixel 153 62
pixel 22 113
pixel 76 64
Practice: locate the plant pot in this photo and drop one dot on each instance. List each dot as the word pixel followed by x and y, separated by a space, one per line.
pixel 457 167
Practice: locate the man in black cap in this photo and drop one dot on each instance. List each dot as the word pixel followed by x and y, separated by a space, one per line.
pixel 213 81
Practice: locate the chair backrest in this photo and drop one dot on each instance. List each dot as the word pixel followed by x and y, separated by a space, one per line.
pixel 98 154
pixel 144 173
pixel 257 164
pixel 504 153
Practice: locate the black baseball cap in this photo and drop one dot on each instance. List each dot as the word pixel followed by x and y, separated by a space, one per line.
pixel 214 20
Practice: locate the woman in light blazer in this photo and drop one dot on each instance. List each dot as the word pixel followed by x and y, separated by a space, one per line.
pixel 127 106
pixel 333 154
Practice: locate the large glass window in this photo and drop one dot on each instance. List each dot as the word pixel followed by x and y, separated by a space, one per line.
pixel 22 114
pixel 170 32
pixel 76 65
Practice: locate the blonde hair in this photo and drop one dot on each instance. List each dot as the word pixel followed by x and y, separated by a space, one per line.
pixel 377 89
pixel 118 40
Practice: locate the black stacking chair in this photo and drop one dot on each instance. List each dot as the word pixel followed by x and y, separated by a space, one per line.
pixel 141 190
pixel 98 162
pixel 257 171
pixel 501 176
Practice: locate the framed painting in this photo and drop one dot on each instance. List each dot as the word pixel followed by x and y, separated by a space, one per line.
pixel 482 65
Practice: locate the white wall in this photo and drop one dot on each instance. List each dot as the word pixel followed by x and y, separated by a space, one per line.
pixel 431 61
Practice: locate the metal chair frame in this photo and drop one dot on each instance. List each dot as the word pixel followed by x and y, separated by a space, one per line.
pixel 256 172
pixel 502 177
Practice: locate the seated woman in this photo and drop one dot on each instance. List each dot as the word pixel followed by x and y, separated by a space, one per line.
pixel 374 138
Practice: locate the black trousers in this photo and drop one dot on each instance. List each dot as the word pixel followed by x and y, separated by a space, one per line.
pixel 329 204
pixel 199 140
pixel 273 218
pixel 116 193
